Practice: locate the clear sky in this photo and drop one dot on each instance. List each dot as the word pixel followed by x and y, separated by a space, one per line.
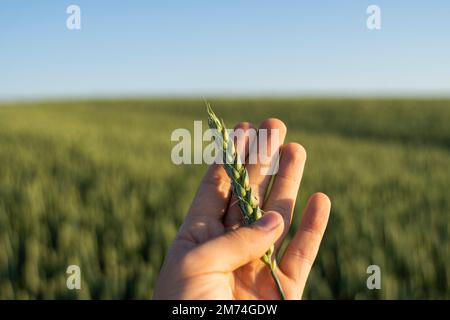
pixel 206 47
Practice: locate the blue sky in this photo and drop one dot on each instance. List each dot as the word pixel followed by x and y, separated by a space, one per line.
pixel 205 47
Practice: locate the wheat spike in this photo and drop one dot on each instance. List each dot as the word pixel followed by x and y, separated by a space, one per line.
pixel 240 184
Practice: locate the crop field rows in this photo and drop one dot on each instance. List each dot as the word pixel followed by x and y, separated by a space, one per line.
pixel 91 183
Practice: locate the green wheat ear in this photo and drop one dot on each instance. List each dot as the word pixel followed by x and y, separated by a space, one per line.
pixel 240 184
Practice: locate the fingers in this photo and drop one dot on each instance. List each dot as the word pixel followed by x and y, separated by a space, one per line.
pixel 244 135
pixel 271 135
pixel 238 247
pixel 301 252
pixel 286 184
pixel 213 196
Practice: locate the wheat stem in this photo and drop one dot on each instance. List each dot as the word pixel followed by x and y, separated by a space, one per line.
pixel 240 185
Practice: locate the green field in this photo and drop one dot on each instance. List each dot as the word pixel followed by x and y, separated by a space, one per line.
pixel 91 183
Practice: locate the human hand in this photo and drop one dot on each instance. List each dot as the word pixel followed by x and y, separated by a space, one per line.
pixel 214 257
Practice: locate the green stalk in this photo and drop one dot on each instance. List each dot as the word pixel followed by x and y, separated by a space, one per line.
pixel 240 186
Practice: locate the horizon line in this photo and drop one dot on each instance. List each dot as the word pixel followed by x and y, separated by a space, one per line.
pixel 233 95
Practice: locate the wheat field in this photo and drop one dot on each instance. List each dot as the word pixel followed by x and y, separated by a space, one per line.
pixel 91 183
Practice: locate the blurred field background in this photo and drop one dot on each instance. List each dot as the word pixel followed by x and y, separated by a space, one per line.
pixel 91 183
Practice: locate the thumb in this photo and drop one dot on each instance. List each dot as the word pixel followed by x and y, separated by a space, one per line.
pixel 241 246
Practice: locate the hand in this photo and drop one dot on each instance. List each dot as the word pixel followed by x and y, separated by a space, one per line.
pixel 214 257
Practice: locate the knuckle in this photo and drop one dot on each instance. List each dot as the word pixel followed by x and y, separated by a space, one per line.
pixel 282 207
pixel 238 235
pixel 303 255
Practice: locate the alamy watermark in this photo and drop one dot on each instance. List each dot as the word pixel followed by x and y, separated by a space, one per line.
pixel 73 21
pixel 253 147
pixel 373 21
pixel 374 280
pixel 74 279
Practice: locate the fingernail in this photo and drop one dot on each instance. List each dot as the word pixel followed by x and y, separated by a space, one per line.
pixel 268 222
